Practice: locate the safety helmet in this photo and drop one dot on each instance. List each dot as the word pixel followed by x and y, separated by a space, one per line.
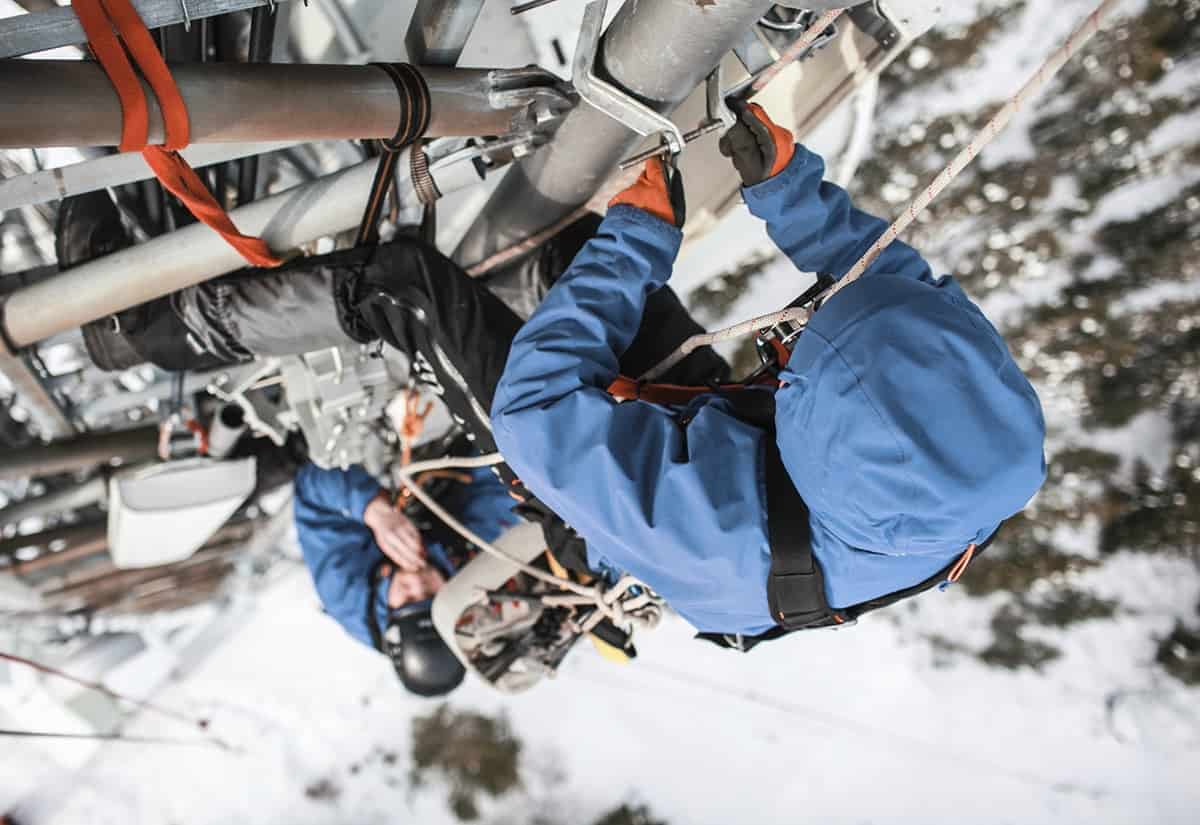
pixel 425 664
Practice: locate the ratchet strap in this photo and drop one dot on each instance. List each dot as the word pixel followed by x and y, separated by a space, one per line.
pixel 102 21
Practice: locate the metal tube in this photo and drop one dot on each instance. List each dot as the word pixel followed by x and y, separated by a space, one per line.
pixel 658 50
pixel 242 102
pixel 69 498
pixel 195 253
pixel 439 29
pixel 48 418
pixel 345 31
pixel 262 41
pixel 114 170
pixel 68 535
pixel 128 446
pixel 37 32
pixel 227 427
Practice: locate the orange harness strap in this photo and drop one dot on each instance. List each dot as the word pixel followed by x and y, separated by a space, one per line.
pixel 98 18
pixel 625 388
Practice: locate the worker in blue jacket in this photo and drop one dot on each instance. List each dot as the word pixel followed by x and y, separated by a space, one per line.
pixel 901 432
pixel 376 571
pixel 902 420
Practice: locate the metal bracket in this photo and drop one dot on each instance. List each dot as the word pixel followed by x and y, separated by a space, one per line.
pixel 604 96
pixel 236 394
pixel 718 116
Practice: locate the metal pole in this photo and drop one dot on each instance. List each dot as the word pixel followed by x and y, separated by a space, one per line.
pixel 69 498
pixel 37 32
pixel 658 50
pixel 345 31
pixel 114 170
pixel 262 41
pixel 243 102
pixel 79 453
pixel 47 416
pixel 195 253
pixel 439 30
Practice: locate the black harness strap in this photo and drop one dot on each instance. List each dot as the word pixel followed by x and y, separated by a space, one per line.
pixel 795 586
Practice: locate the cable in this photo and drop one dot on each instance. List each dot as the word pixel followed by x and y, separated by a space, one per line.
pixel 607 602
pixel 117 737
pixel 144 704
pixel 1057 59
pixel 1047 70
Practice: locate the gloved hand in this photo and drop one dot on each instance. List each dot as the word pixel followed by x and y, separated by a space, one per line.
pixel 659 191
pixel 759 148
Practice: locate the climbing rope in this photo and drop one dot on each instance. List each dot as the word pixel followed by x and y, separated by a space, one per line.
pixel 792 52
pixel 1082 34
pixel 618 603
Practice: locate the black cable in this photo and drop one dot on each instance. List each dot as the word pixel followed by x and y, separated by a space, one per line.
pixel 414 120
pixel 262 41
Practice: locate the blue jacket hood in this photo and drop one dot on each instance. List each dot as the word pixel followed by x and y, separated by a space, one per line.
pixel 904 422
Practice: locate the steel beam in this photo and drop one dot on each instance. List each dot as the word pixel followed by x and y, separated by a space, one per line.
pixel 439 29
pixel 48 418
pixel 72 103
pixel 126 446
pixel 195 253
pixel 39 31
pixel 657 50
pixel 113 170
pixel 76 497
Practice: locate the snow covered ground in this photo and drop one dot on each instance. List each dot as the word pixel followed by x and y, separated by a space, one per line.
pixel 1029 693
pixel 864 725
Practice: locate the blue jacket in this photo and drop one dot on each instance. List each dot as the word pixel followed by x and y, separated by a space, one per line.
pixel 341 554
pixel 903 421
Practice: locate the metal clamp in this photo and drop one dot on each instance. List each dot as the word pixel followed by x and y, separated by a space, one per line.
pixel 541 97
pixel 616 103
pixel 718 116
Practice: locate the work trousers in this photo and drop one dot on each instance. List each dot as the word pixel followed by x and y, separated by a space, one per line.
pixel 458 333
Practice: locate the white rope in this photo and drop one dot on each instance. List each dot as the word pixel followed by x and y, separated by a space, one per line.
pixel 1047 70
pixel 1082 34
pixel 608 602
pixel 736 331
pixel 796 49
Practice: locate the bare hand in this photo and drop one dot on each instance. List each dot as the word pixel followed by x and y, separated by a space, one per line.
pixel 394 533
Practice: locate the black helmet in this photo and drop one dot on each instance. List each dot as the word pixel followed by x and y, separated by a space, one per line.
pixel 425 664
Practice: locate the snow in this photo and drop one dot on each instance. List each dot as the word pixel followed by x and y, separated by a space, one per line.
pixel 809 725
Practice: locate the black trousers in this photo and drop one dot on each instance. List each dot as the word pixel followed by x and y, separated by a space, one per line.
pixel 454 329
pixel 458 333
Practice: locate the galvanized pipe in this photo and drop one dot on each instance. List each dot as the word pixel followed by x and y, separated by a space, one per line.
pixel 114 170
pixel 68 536
pixel 658 50
pixel 49 29
pixel 126 446
pixel 439 29
pixel 72 103
pixel 76 497
pixel 195 253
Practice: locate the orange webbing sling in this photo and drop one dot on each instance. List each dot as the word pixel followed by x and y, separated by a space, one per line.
pixel 99 18
pixel 625 388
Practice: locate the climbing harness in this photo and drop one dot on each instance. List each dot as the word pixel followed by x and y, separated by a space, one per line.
pixel 628 602
pixel 1082 34
pixel 99 18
